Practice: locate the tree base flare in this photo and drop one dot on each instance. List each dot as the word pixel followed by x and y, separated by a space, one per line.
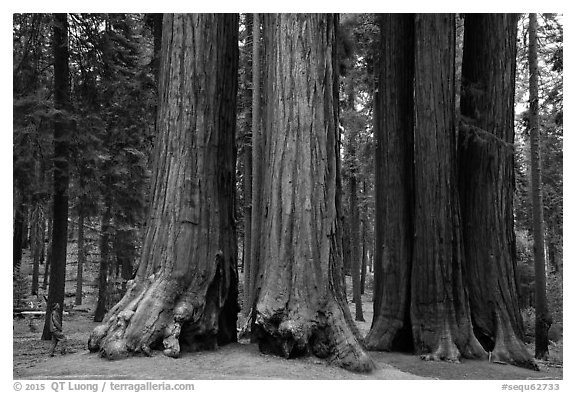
pixel 161 313
pixel 389 334
pixel 509 348
pixel 324 334
pixel 450 344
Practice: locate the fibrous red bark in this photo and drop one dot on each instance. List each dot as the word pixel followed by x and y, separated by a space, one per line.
pixel 184 294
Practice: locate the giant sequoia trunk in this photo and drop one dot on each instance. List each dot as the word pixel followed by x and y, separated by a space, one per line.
pixel 59 239
pixel 486 184
pixel 439 312
pixel 301 306
pixel 258 143
pixel 247 176
pixel 184 294
pixel 394 186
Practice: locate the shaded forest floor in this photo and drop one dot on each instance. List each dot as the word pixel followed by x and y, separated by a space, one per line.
pixel 236 361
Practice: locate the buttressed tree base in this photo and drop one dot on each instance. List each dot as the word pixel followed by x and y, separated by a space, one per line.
pixel 184 295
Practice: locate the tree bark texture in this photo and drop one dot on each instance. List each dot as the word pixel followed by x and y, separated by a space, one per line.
pixel 486 184
pixel 26 227
pixel 364 235
pixel 355 247
pixel 301 304
pixel 157 33
pixel 18 232
pixel 258 145
pixel 48 252
pixel 246 253
pixel 184 295
pixel 125 252
pixel 543 320
pixel 394 175
pixel 61 172
pixel 439 312
pixel 101 305
pixel 354 210
pixel 37 242
pixel 364 242
pixel 81 256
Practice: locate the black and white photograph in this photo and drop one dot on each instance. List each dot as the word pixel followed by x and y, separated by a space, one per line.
pixel 287 196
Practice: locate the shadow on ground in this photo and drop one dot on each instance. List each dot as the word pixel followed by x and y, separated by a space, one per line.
pixel 236 361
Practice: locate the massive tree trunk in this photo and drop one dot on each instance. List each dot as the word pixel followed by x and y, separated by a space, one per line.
pixel 61 172
pixel 394 229
pixel 486 184
pixel 439 312
pixel 543 320
pixel 301 305
pixel 246 253
pixel 258 144
pixel 184 294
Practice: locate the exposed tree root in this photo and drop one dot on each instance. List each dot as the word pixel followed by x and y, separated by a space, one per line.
pixel 450 344
pixel 446 348
pixel 161 313
pixel 324 333
pixel 388 334
pixel 509 348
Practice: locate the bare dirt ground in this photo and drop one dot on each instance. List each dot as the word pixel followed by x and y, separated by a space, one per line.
pixel 236 361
